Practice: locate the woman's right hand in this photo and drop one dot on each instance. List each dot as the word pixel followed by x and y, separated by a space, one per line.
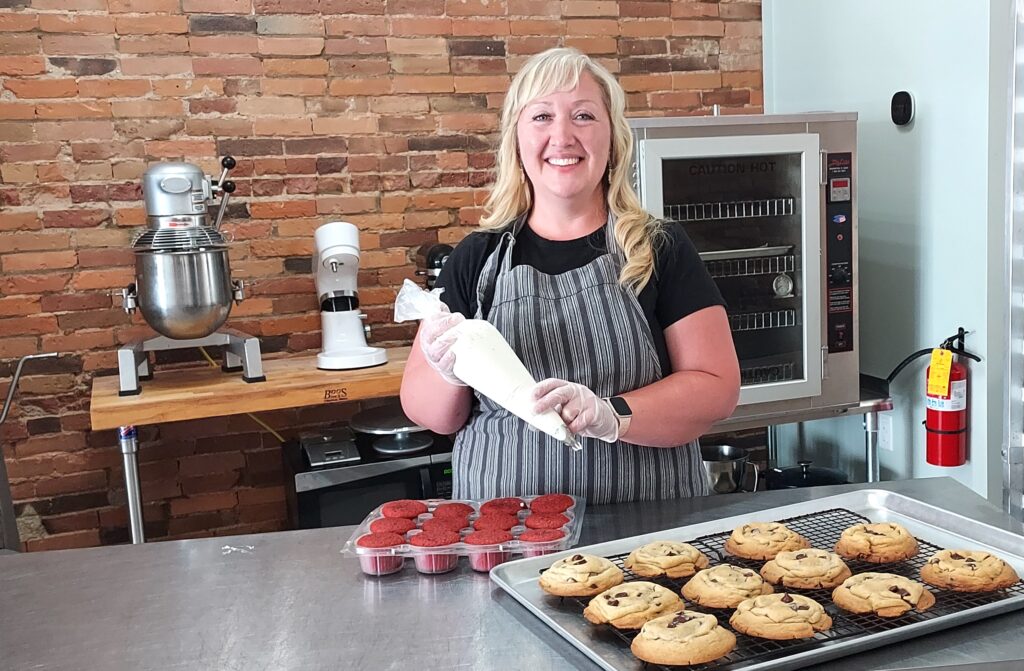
pixel 436 340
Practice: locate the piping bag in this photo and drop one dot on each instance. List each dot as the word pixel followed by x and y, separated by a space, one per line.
pixel 486 362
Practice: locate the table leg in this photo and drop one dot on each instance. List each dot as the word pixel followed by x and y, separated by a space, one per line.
pixel 871 446
pixel 128 439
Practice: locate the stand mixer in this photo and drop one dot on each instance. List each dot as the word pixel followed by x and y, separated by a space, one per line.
pixel 336 262
pixel 183 285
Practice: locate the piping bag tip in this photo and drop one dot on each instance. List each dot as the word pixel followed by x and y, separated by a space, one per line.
pixel 573 443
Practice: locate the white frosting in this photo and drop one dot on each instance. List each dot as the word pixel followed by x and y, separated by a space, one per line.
pixel 485 361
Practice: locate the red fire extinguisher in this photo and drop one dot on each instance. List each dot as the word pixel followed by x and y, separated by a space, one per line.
pixel 946 419
pixel 946 407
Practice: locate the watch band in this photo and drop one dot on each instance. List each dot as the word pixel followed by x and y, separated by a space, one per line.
pixel 624 418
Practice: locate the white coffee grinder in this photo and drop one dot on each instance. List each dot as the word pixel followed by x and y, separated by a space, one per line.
pixel 336 262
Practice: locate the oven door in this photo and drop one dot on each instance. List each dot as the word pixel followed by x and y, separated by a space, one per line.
pixel 750 204
pixel 347 494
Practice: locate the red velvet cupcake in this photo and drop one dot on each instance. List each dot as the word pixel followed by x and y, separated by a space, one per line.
pixel 453 510
pixel 552 503
pixel 509 505
pixel 498 521
pixel 538 542
pixel 546 521
pixel 434 562
pixel 482 560
pixel 395 525
pixel 407 508
pixel 374 559
pixel 444 524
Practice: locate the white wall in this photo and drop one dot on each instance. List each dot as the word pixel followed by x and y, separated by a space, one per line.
pixel 931 198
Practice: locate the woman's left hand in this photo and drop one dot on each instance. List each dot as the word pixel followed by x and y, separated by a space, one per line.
pixel 583 411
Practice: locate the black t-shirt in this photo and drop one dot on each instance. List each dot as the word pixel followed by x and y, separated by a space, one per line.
pixel 680 285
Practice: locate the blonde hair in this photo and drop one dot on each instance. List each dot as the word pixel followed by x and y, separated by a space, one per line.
pixel 636 232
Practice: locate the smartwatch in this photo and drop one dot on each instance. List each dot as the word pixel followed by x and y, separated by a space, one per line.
pixel 622 411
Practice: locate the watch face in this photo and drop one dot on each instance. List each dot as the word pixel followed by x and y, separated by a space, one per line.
pixel 620 406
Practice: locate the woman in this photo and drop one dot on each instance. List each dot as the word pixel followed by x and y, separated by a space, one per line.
pixel 613 307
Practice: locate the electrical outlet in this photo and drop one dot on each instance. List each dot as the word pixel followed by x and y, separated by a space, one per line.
pixel 885 431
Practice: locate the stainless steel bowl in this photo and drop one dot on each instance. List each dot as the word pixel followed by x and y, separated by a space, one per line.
pixel 726 466
pixel 184 294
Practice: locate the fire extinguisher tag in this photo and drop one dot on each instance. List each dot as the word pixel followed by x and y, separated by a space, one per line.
pixel 938 376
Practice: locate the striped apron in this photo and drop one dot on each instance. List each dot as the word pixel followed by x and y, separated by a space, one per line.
pixel 580 326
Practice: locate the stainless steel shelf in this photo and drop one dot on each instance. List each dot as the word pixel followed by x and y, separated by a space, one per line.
pixel 782 372
pixel 737 209
pixel 758 321
pixel 744 267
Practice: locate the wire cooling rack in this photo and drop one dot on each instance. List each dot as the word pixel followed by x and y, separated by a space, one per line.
pixel 822 530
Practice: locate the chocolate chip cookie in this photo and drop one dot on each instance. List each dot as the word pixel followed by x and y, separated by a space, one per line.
pixel 806 569
pixel 686 637
pixel 780 617
pixel 629 605
pixel 580 575
pixel 883 594
pixel 724 586
pixel 878 543
pixel 968 571
pixel 666 558
pixel 763 540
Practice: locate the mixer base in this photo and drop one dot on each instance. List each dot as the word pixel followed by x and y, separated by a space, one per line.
pixel 241 352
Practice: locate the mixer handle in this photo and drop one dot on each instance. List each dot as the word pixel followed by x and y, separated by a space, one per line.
pixel 226 189
pixel 227 163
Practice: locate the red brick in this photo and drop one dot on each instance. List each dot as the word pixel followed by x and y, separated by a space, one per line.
pixel 75 539
pixel 72 483
pixel 13 263
pixel 73 110
pixel 75 130
pixel 42 88
pixel 215 482
pixel 188 87
pixel 151 25
pixel 82 218
pixel 19 44
pixel 61 442
pixel 227 65
pixel 22 65
pixel 19 306
pixel 76 23
pixel 16 23
pixel 77 342
pixel 206 464
pixel 203 503
pixel 147 108
pixel 283 208
pixel 153 44
pixel 289 67
pixel 155 65
pixel 12 348
pixel 78 45
pixel 143 6
pixel 263 512
pixel 78 521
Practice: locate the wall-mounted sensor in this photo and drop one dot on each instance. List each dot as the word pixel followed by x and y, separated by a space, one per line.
pixel 902 108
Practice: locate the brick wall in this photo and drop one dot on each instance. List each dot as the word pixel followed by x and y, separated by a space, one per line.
pixel 379 112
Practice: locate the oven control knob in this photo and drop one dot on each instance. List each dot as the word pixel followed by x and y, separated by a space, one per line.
pixel 839 276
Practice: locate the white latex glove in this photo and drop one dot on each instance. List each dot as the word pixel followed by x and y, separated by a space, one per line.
pixel 583 411
pixel 436 341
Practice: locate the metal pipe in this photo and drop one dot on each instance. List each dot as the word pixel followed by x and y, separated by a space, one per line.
pixel 17 374
pixel 128 439
pixel 871 446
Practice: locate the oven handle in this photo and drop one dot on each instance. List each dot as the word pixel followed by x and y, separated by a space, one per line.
pixel 313 480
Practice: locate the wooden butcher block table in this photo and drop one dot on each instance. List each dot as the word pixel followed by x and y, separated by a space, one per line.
pixel 197 393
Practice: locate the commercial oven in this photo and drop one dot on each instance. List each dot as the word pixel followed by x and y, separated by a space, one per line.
pixel 770 204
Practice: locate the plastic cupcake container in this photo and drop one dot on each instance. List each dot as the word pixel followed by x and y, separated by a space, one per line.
pixel 374 557
pixel 434 562
pixel 537 542
pixel 483 559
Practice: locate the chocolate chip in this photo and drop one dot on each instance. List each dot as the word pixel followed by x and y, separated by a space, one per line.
pixel 575 557
pixel 801 556
pixel 802 607
pixel 748 573
pixel 613 602
pixel 970 561
pixel 621 594
pixel 713 579
pixel 570 579
pixel 671 554
pixel 955 555
pixel 899 590
pixel 873 533
pixel 786 599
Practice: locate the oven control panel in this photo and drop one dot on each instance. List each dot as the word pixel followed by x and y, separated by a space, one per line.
pixel 839 251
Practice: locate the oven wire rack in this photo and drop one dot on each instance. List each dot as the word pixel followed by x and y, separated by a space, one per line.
pixel 822 530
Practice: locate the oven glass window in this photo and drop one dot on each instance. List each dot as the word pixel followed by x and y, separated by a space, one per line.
pixel 351 504
pixel 743 214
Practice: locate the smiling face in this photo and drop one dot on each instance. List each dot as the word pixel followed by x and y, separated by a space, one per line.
pixel 564 143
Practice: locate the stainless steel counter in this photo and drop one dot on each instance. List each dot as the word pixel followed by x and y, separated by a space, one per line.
pixel 290 601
